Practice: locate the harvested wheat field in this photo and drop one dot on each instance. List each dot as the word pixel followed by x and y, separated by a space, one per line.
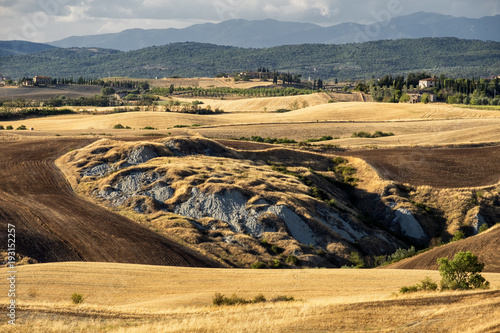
pixel 268 104
pixel 54 224
pixel 412 125
pixel 133 298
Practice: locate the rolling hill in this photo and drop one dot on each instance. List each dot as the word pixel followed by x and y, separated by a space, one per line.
pixel 450 56
pixel 484 245
pixel 17 47
pixel 269 33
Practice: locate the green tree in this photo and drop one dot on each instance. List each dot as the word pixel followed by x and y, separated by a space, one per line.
pixel 405 98
pixel 425 98
pixel 462 272
pixel 107 91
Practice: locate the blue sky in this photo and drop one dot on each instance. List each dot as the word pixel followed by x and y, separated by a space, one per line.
pixel 50 20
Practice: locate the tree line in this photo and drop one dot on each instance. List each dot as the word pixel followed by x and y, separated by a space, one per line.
pixel 474 90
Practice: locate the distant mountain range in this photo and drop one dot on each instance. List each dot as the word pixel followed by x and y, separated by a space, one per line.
pixel 269 33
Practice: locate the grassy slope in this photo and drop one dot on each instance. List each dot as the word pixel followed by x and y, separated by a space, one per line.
pixel 179 299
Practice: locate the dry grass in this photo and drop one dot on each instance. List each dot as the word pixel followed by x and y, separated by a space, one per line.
pixel 432 124
pixel 133 298
pixel 267 104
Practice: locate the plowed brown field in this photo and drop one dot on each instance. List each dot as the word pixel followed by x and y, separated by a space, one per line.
pixel 54 224
pixel 484 245
pixel 441 168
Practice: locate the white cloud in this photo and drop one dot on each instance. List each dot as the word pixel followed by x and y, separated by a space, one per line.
pixel 47 20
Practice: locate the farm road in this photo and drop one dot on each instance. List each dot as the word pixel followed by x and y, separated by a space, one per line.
pixel 54 224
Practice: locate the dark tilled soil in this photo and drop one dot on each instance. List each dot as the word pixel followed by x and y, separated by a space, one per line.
pixel 485 245
pixel 53 224
pixel 441 168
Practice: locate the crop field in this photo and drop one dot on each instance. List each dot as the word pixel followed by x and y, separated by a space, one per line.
pixel 134 298
pixel 31 93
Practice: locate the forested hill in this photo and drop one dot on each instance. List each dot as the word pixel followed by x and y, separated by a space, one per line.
pixel 450 56
pixel 17 47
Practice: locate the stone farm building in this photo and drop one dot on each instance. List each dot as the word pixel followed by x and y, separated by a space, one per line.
pixel 428 83
pixel 417 98
pixel 40 80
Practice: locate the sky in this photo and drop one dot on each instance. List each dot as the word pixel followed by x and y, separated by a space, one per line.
pixel 51 20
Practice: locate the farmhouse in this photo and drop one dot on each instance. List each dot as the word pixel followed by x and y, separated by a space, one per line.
pixel 428 83
pixel 40 80
pixel 417 98
pixel 3 79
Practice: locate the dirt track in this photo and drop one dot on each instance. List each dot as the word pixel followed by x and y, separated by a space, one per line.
pixel 54 224
pixel 441 168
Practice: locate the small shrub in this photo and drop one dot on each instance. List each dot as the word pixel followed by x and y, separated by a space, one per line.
pixel 9 128
pixel 410 289
pixel 483 228
pixel 149 128
pixel 220 299
pixel 276 263
pixel 1 128
pixel 77 298
pixel 283 298
pixel 459 235
pixel 339 160
pixel 321 252
pixel 293 260
pixel 361 134
pixel 377 134
pixel 428 285
pixel 259 299
pixel 258 265
pixel 21 128
pixel 276 249
pixel 119 126
pixel 180 126
pixel 356 260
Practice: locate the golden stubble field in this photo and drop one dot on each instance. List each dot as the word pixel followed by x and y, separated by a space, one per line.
pixel 413 125
pixel 135 298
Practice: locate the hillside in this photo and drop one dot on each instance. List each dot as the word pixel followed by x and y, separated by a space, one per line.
pixel 270 33
pixel 448 56
pixel 222 203
pixel 17 47
pixel 484 245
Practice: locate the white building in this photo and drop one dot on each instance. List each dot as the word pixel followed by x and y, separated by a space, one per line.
pixel 428 83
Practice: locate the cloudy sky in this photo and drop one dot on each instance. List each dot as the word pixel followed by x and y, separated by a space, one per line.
pixel 50 20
